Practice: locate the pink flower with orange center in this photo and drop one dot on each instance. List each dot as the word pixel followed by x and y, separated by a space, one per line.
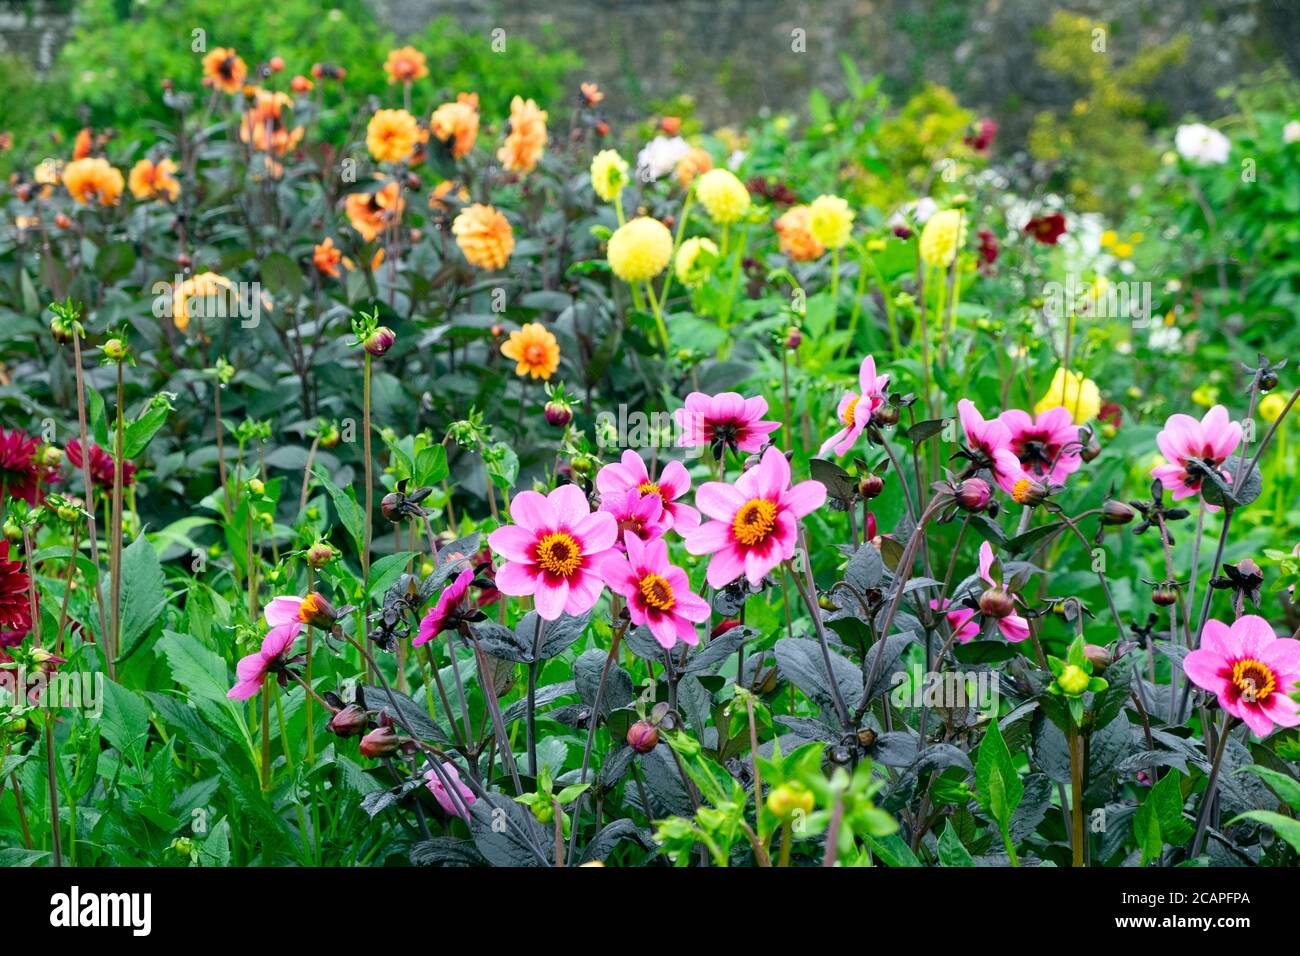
pixel 726 420
pixel 658 593
pixel 553 550
pixel 1251 670
pixel 856 408
pixel 755 521
pixel 1047 447
pixel 673 483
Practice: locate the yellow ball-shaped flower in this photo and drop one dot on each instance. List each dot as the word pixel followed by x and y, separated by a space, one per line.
pixel 640 249
pixel 1070 390
pixel 695 261
pixel 830 220
pixel 723 196
pixel 608 174
pixel 1271 405
pixel 943 235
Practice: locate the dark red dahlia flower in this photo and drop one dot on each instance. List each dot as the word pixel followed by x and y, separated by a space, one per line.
pixel 981 137
pixel 15 605
pixel 988 250
pixel 20 473
pixel 1047 229
pixel 101 464
pixel 773 190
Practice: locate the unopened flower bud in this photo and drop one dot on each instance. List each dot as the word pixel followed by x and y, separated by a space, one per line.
pixel 256 486
pixel 642 737
pixel 391 506
pixel 380 742
pixel 1029 492
pixel 379 341
pixel 276 64
pixel 13 533
pixel 1116 513
pixel 793 338
pixel 787 798
pixel 871 486
pixel 348 722
pixel 320 554
pixel 558 414
pixel 974 494
pixel 1267 380
pixel 1091 450
pixel 996 603
pixel 51 457
pixel 1164 595
pixel 1073 680
pixel 115 350
pixel 1098 656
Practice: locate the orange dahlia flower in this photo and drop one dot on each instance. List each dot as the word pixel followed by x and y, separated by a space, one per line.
pixel 262 125
pixel 93 180
pixel 392 136
pixel 448 187
pixel 457 124
pixel 695 162
pixel 405 65
pixel 484 236
pixel 797 240
pixel 534 351
pixel 201 286
pixel 224 70
pixel 372 213
pixel 326 258
pixel 149 180
pixel 527 139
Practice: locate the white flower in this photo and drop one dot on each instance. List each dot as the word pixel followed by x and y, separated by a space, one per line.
pixel 736 160
pixel 1200 143
pixel 923 209
pixel 1291 132
pixel 660 157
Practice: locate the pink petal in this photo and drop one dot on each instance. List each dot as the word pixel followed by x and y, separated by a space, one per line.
pixel 550 598
pixel 1014 628
pixel 513 542
pixel 570 505
pixel 719 500
pixel 805 498
pixel 725 566
pixel 986 561
pixel 282 610
pixel 516 579
pixel 1218 638
pixel 533 511
pixel 1253 635
pixel 709 538
pixel 584 592
pixel 597 531
pixel 1204 668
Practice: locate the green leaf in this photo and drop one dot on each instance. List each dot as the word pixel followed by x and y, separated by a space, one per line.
pixel 281 274
pixel 345 504
pixel 125 722
pixel 198 670
pixel 140 432
pixel 951 850
pixel 1160 819
pixel 144 593
pixel 1287 788
pixel 431 466
pixel 892 850
pixel 998 787
pixel 1286 827
pixel 115 261
pixel 385 572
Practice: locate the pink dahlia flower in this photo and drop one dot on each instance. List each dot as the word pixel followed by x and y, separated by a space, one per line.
pixel 441 615
pixel 658 594
pixel 991 441
pixel 673 483
pixel 1252 670
pixel 960 619
pixel 724 421
pixel 997 603
pixel 1047 447
pixel 755 520
pixel 638 516
pixel 445 799
pixel 285 616
pixel 1214 438
pixel 553 550
pixel 856 408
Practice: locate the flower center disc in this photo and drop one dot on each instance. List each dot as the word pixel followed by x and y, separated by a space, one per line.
pixel 657 592
pixel 754 521
pixel 535 354
pixel 1254 679
pixel 850 408
pixel 649 488
pixel 559 554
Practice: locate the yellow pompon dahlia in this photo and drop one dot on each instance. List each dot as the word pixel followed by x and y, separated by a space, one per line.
pixel 534 350
pixel 392 136
pixel 484 236
pixel 944 234
pixel 830 220
pixel 608 174
pixel 188 296
pixel 695 261
pixel 694 163
pixel 640 249
pixel 1071 391
pixel 224 70
pixel 405 65
pixel 154 180
pixel 795 232
pixel 457 124
pixel 524 146
pixel 1271 406
pixel 93 180
pixel 723 196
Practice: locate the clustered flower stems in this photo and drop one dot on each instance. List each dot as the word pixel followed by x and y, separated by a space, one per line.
pixel 115 647
pixel 51 755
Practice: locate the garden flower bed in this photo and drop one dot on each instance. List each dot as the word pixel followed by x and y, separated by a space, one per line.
pixel 391 480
